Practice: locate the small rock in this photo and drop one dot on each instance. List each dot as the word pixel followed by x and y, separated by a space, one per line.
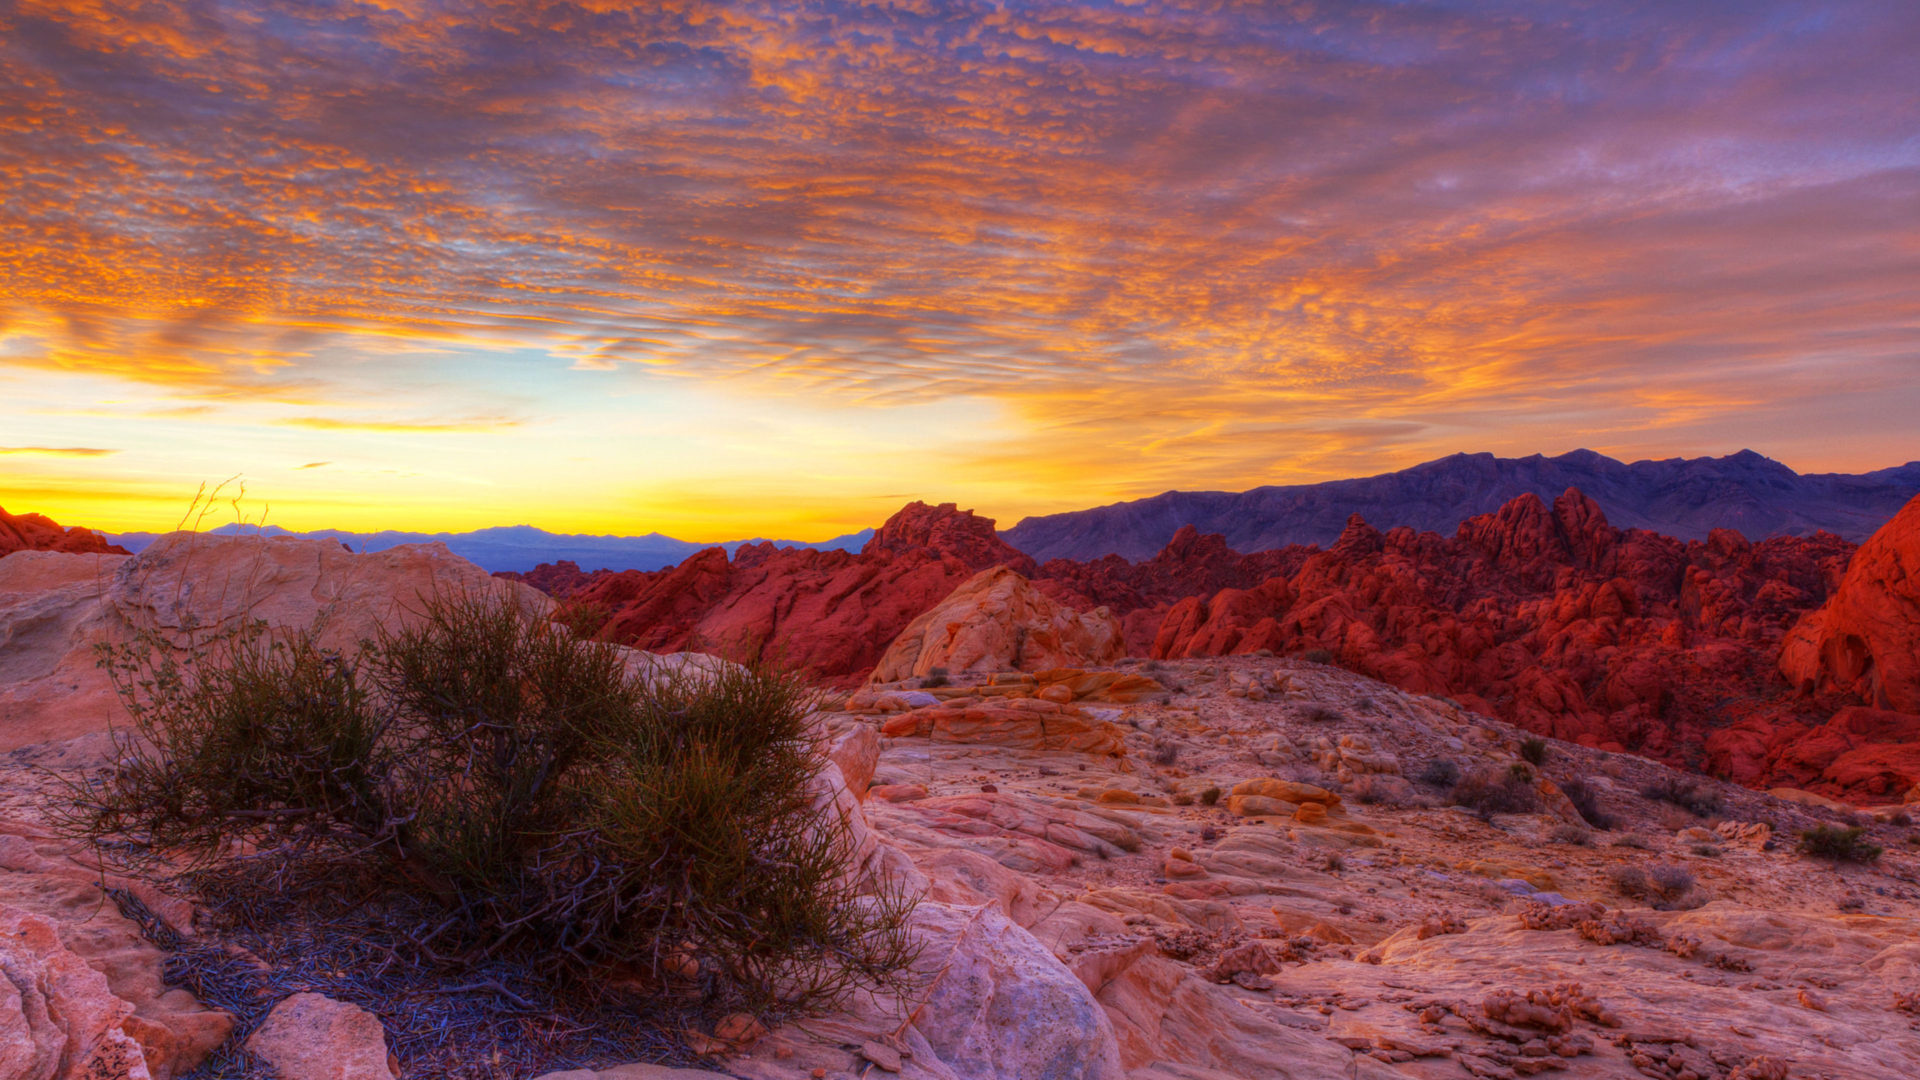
pixel 313 1037
pixel 883 1057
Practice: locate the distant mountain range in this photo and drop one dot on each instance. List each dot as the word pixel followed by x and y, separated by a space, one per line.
pixel 523 547
pixel 1683 498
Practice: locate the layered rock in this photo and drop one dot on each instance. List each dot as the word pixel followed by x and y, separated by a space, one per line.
pixel 1546 616
pixel 828 612
pixel 34 532
pixel 1865 640
pixel 997 621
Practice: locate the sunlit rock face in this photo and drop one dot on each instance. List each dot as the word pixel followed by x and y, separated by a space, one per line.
pixel 1866 639
pixel 35 532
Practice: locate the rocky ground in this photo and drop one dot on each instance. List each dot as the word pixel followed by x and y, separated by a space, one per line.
pixel 1202 868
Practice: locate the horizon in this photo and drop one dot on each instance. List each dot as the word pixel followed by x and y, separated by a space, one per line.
pixel 777 269
pixel 1000 525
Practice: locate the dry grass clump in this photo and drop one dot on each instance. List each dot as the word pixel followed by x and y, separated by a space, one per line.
pixel 1534 750
pixel 1586 799
pixel 1689 795
pixel 1571 834
pixel 1490 792
pixel 504 795
pixel 1839 844
pixel 1662 886
pixel 1439 773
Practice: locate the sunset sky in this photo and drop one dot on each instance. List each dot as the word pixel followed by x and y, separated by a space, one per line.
pixel 776 268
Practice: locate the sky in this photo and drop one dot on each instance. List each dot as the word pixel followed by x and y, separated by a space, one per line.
pixel 722 270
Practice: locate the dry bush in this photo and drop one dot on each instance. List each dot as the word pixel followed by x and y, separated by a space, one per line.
pixel 1570 834
pixel 1839 844
pixel 1586 799
pixel 1662 886
pixel 1439 773
pixel 514 795
pixel 1488 792
pixel 1689 795
pixel 1534 750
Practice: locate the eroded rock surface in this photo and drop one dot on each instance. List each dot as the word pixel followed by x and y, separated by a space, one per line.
pixel 997 621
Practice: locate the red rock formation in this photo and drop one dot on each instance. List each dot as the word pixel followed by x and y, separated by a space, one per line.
pixel 557 579
pixel 830 612
pixel 33 532
pixel 1866 640
pixel 1544 616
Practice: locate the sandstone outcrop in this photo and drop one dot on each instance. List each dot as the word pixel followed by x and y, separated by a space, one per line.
pixel 1865 640
pixel 997 621
pixel 55 608
pixel 1545 616
pixel 828 612
pixel 35 532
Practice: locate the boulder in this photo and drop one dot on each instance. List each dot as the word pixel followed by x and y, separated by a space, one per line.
pixel 997 621
pixel 313 1037
pixel 1002 1005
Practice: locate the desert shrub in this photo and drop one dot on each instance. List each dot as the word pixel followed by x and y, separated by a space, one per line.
pixel 1848 844
pixel 1520 772
pixel 1317 656
pixel 1210 796
pixel 1586 800
pixel 1632 840
pixel 1533 750
pixel 513 790
pixel 1900 819
pixel 1570 834
pixel 1165 752
pixel 1706 851
pixel 584 618
pixel 1439 773
pixel 1380 790
pixel 1689 795
pixel 935 676
pixel 1663 886
pixel 1321 714
pixel 1487 793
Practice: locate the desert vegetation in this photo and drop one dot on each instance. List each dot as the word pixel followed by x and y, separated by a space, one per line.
pixel 496 798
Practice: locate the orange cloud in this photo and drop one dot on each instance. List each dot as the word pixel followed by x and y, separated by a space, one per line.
pixel 1169 244
pixel 58 451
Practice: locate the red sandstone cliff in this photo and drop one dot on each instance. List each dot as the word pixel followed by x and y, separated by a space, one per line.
pixel 830 612
pixel 33 532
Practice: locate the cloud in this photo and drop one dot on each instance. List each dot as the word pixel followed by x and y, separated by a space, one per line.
pixel 58 451
pixel 1195 241
pixel 401 427
pixel 314 465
